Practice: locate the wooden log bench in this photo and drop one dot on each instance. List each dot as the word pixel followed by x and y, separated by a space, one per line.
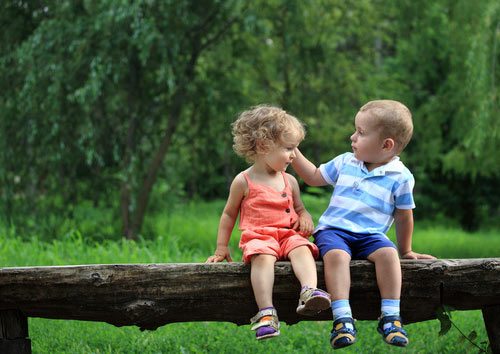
pixel 152 295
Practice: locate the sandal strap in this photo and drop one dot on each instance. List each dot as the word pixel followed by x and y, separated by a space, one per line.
pixel 308 292
pixel 271 319
pixel 391 324
pixel 262 313
pixel 340 327
pixel 267 323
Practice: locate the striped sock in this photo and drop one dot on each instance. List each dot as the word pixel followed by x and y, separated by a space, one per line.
pixel 341 308
pixel 390 307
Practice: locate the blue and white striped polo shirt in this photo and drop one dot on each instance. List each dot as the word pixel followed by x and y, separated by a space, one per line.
pixel 362 201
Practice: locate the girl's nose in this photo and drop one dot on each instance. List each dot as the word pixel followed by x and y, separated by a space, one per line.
pixel 353 136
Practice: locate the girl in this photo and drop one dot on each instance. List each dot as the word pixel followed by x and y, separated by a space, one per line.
pixel 274 223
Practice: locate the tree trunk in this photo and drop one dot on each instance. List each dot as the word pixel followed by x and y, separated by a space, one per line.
pixel 152 171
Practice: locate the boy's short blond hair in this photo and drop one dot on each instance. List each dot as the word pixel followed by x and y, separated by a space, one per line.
pixel 262 127
pixel 394 120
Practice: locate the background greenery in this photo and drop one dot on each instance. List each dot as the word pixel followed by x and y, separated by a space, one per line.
pixel 125 106
pixel 115 142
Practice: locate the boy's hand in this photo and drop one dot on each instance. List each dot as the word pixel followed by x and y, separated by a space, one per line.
pixel 415 255
pixel 304 225
pixel 221 253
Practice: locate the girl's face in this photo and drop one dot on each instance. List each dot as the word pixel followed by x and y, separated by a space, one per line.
pixel 367 143
pixel 281 155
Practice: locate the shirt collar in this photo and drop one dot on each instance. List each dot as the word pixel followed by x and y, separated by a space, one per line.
pixel 395 165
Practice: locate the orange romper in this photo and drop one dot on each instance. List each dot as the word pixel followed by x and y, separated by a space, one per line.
pixel 266 219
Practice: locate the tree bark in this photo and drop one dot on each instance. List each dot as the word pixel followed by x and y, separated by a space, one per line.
pixel 152 295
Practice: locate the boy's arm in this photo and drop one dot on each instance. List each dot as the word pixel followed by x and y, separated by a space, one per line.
pixel 307 170
pixel 403 219
pixel 228 219
pixel 305 223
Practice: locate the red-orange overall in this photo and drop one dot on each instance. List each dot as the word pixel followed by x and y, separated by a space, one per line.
pixel 266 219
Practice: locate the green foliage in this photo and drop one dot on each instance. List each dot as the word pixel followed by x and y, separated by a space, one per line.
pixel 128 104
pixel 444 316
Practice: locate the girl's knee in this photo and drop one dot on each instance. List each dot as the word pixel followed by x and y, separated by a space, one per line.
pixel 300 251
pixel 263 259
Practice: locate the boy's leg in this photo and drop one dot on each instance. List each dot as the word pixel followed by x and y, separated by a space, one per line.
pixel 389 279
pixel 335 248
pixel 388 270
pixel 337 273
pixel 338 282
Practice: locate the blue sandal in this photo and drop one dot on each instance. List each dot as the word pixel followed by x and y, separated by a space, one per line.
pixel 391 329
pixel 343 333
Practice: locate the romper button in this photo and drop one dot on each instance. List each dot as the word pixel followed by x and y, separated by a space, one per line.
pixel 284 195
pixel 287 210
pixel 356 185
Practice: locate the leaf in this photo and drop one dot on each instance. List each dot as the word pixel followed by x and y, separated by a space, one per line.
pixel 444 321
pixel 472 336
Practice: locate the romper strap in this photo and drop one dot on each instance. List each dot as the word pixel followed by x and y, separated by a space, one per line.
pixel 247 178
pixel 285 179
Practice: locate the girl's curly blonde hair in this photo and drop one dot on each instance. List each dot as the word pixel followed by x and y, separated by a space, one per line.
pixel 261 128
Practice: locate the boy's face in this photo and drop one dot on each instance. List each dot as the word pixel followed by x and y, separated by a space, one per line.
pixel 367 143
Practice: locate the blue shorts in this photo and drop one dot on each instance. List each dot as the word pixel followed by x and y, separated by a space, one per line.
pixel 359 246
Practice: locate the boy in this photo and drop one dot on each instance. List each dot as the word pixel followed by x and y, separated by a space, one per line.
pixel 372 189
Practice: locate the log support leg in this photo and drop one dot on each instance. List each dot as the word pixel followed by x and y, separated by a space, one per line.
pixel 491 316
pixel 14 333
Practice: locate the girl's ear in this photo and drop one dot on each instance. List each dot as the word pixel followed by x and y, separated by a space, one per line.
pixel 389 144
pixel 261 146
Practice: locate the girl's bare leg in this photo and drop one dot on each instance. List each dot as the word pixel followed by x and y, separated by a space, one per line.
pixel 262 278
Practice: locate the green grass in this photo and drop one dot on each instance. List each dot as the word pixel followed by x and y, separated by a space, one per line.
pixel 187 234
pixel 53 336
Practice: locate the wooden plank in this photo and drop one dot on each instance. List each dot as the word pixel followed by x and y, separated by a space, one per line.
pixel 14 333
pixel 151 295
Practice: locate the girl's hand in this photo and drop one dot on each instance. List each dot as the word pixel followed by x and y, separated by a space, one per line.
pixel 415 255
pixel 221 254
pixel 304 225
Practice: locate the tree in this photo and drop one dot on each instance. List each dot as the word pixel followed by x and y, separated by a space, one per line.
pixel 447 53
pixel 101 88
pixel 101 99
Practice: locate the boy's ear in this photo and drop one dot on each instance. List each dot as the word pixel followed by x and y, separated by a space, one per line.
pixel 389 144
